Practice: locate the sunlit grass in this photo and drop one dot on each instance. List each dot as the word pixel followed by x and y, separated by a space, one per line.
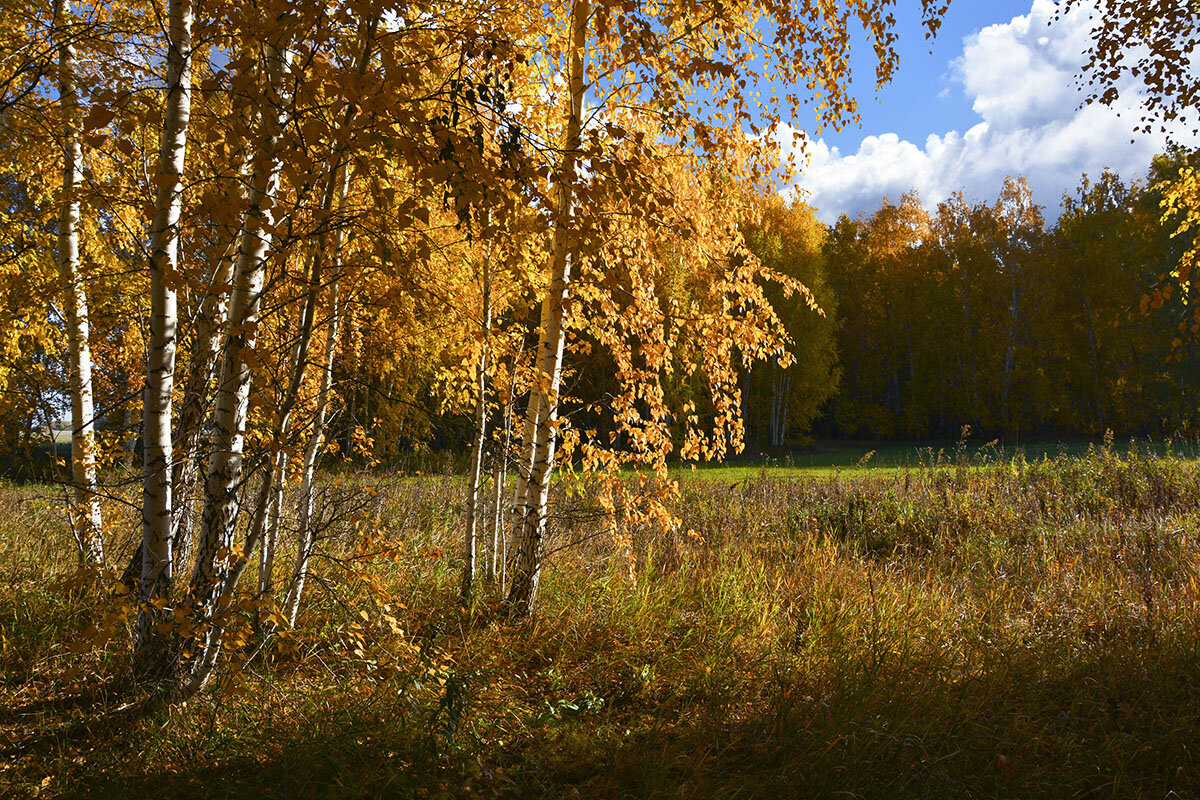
pixel 881 459
pixel 1028 629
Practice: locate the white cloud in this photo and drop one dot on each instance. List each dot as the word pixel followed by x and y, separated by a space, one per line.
pixel 1020 76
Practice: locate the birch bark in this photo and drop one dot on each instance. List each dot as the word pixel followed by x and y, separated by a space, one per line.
pixel 542 416
pixel 155 589
pixel 85 511
pixel 211 322
pixel 316 441
pixel 215 554
pixel 339 184
pixel 270 536
pixel 499 479
pixel 470 544
pixel 269 508
pixel 211 325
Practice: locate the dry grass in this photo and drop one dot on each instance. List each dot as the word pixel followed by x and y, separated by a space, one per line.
pixel 1028 630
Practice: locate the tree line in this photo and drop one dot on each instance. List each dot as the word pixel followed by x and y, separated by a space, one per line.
pixel 981 314
pixel 984 314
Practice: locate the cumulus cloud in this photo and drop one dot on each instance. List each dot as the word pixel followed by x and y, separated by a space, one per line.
pixel 1020 76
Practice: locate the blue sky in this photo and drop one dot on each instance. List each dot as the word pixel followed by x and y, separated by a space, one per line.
pixel 997 96
pixel 924 95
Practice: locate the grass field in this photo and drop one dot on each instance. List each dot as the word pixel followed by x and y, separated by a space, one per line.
pixel 1018 629
pixel 859 459
pixel 851 459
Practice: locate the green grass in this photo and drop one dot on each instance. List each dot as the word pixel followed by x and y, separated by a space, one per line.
pixel 1029 629
pixel 862 459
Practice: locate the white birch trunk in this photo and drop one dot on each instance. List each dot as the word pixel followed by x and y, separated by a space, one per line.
pixel 85 511
pixel 211 324
pixel 471 550
pixel 157 567
pixel 542 416
pixel 316 441
pixel 499 478
pixel 185 439
pixel 266 562
pixel 211 321
pixel 781 392
pixel 268 511
pixel 339 184
pixel 215 554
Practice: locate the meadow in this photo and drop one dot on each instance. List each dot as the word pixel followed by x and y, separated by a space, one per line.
pixel 973 627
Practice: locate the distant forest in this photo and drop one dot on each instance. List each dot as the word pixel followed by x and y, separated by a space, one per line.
pixel 984 314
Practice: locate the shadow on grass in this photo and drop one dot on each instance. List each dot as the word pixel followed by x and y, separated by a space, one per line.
pixel 1113 726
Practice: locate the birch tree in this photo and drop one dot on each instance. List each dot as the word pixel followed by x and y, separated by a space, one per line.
pixel 316 434
pixel 788 239
pixel 336 188
pixel 665 75
pixel 216 558
pixel 478 441
pixel 85 513
pixel 209 323
pixel 157 509
pixel 541 415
